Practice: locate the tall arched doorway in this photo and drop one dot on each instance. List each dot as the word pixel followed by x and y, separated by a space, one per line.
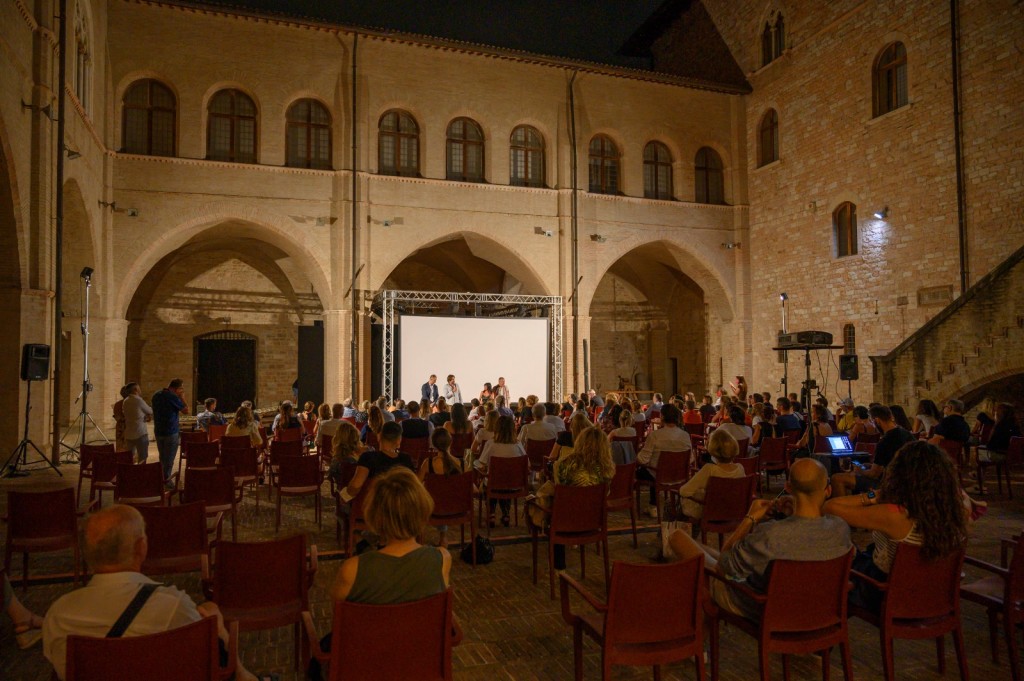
pixel 10 307
pixel 224 284
pixel 649 326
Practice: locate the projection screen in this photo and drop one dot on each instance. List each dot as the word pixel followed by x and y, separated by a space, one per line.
pixel 476 350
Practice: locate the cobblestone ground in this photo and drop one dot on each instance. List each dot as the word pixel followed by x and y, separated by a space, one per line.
pixel 512 630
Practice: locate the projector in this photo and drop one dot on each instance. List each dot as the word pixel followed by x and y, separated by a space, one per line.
pixel 801 338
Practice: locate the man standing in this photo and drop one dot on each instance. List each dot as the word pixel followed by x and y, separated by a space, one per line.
pixel 167 405
pixel 115 548
pixel 452 393
pixel 136 414
pixel 501 390
pixel 858 481
pixel 428 391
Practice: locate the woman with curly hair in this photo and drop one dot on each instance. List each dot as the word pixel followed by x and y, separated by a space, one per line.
pixel 919 503
pixel 928 416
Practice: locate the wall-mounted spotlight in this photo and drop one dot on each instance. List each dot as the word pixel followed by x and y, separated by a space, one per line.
pixel 45 110
pixel 543 232
pixel 598 238
pixel 783 297
pixel 112 205
pixel 729 245
pixel 882 214
pixel 86 273
pixel 72 154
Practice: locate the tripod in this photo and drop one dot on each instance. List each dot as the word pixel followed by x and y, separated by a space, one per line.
pixel 83 418
pixel 19 457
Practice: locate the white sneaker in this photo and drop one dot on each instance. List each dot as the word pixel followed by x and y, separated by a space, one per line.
pixel 652 511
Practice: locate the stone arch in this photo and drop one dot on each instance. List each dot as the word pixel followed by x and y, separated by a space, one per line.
pixel 1004 385
pixel 486 248
pixel 12 281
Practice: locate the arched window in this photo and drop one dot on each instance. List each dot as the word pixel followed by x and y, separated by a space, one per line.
pixel 890 79
pixel 604 166
pixel 709 185
pixel 849 340
pixel 773 40
pixel 767 45
pixel 232 130
pixel 465 151
pixel 657 171
pixel 148 122
pixel 526 157
pixel 83 57
pixel 768 138
pixel 844 227
pixel 780 35
pixel 308 138
pixel 398 145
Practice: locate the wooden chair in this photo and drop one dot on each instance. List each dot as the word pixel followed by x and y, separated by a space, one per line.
pixel 202 455
pixel 1002 595
pixel 955 451
pixel 216 432
pixel 453 504
pixel 460 443
pixel 579 517
pixel 142 485
pixel 635 631
pixel 620 494
pixel 1014 454
pixel 244 464
pixel 774 460
pixel 279 449
pixel 418 448
pixel 507 478
pixel 283 434
pixel 804 611
pixel 299 476
pixel 349 518
pixel 921 600
pixel 235 442
pixel 537 451
pixel 308 428
pixel 672 471
pixel 178 538
pixel 104 472
pixel 86 454
pixel 216 489
pixel 726 502
pixel 751 466
pixel 186 439
pixel 265 585
pixel 744 445
pixel 622 454
pixel 187 653
pixel 41 522
pixel 362 639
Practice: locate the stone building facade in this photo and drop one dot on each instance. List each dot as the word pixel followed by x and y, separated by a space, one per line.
pixel 675 292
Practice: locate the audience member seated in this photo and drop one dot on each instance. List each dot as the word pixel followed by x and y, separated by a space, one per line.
pixel 625 427
pixel 501 408
pixel 1005 427
pixel 375 462
pixel 348 411
pixel 209 416
pixel 382 404
pixel 564 441
pixel 346 448
pixel 414 426
pixel 502 445
pixel 486 432
pixel 590 463
pixel 919 502
pixel 459 423
pixel 657 403
pixel 551 416
pixel 442 463
pixel 763 426
pixel 308 412
pixel 803 534
pixel 823 401
pixel 692 415
pixel 441 413
pixel 862 424
pixel 862 479
pixel 736 425
pixel 538 429
pixel 623 451
pixel 244 424
pixel 669 438
pixel 817 427
pixel 899 416
pixel 927 417
pixel 329 422
pixel 285 418
pixel 723 449
pixel 374 422
pixel 115 548
pixel 722 414
pixel 477 417
pixel 953 425
pixel 707 410
pixel 27 625
pixel 400 409
pixel 397 509
pixel 362 413
pixel 845 417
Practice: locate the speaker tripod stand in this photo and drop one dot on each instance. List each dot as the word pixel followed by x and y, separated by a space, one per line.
pixel 13 467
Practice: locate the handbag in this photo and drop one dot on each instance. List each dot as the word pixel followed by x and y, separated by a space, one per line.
pixel 484 551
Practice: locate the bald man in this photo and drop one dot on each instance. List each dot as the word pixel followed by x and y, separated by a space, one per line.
pixel 804 534
pixel 115 548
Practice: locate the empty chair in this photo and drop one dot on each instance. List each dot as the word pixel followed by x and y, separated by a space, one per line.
pixel 244 464
pixel 141 485
pixel 578 517
pixel 279 449
pixel 620 494
pixel 751 466
pixel 726 501
pixel 216 432
pixel 664 627
pixel 86 453
pixel 215 488
pixel 187 653
pixel 507 478
pixel 104 472
pixel 40 522
pixel 672 471
pixel 363 640
pixel 537 451
pixel 202 455
pixel 1014 454
pixel 178 537
pixel 186 439
pixel 453 503
pixel 349 518
pixel 265 585
pixel 803 612
pixel 234 442
pixel 1002 595
pixel 774 460
pixel 299 476
pixel 920 600
pixel 955 451
pixel 283 434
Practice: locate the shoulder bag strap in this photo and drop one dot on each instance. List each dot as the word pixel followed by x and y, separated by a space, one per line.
pixel 129 614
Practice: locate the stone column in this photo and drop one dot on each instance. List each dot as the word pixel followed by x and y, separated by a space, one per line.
pixel 336 355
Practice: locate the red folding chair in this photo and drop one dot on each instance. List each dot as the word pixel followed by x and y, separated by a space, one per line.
pixel 104 472
pixel 453 504
pixel 579 517
pixel 178 538
pixel 672 472
pixel 460 443
pixel 507 478
pixel 86 453
pixel 1014 454
pixel 235 442
pixel 774 460
pixel 726 502
pixel 537 451
pixel 244 464
pixel 41 522
pixel 349 518
pixel 418 448
pixel 142 485
pixel 283 434
pixel 299 476
pixel 620 494
pixel 202 455
pixel 214 487
pixel 1002 595
pixel 955 451
pixel 216 432
pixel 186 439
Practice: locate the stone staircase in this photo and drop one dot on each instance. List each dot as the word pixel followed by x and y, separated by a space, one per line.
pixel 976 339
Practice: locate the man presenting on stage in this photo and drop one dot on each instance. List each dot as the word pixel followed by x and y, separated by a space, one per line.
pixel 452 394
pixel 428 391
pixel 501 390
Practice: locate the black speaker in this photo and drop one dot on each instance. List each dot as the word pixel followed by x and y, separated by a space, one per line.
pixel 848 368
pixel 35 362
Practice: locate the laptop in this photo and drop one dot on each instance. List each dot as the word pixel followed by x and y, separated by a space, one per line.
pixel 840 445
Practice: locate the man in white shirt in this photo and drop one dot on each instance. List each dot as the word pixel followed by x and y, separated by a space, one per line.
pixel 115 548
pixel 669 438
pixel 501 390
pixel 452 393
pixel 552 417
pixel 539 429
pixel 136 414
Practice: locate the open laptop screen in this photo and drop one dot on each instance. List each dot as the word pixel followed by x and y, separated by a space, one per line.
pixel 839 443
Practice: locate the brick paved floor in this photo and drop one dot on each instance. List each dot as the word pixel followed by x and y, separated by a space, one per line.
pixel 512 630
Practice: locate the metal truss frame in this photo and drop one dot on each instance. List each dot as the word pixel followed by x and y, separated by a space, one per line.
pixel 387 303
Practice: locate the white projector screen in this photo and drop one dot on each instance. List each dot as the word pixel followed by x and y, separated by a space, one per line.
pixel 477 350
